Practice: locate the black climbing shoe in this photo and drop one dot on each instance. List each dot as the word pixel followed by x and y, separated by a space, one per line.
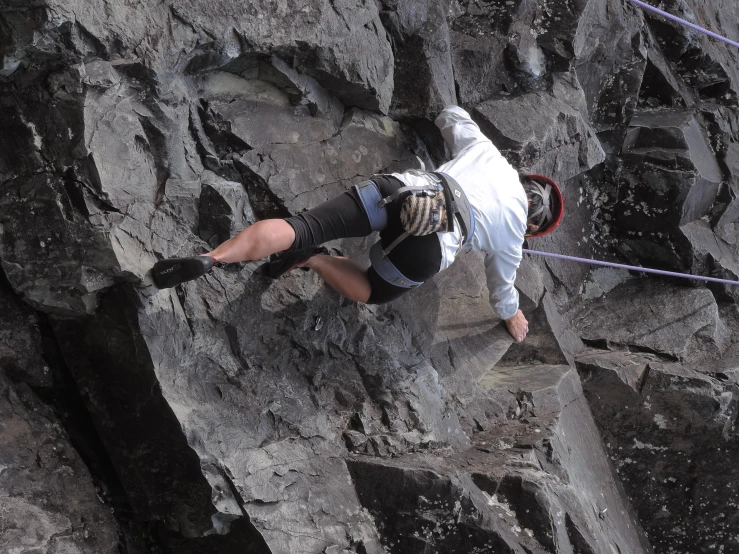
pixel 174 271
pixel 282 262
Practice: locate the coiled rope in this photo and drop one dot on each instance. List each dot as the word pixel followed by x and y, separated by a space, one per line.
pixel 631 267
pixel 684 22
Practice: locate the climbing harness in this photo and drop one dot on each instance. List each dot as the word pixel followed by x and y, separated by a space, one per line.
pixel 455 205
pixel 684 22
pixel 371 199
pixel 631 267
pixel 448 195
pixel 552 209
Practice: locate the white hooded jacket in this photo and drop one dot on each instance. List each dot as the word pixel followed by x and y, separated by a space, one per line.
pixel 497 198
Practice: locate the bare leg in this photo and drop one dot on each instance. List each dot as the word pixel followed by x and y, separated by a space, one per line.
pixel 269 236
pixel 257 241
pixel 345 276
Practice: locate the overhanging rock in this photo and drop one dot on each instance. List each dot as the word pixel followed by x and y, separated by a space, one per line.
pixel 544 132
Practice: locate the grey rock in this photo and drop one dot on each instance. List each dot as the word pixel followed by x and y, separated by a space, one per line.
pixel 479 37
pixel 462 349
pixel 60 265
pixel 342 44
pixel 675 321
pixel 159 471
pixel 257 416
pixel 546 133
pixel 478 63
pixel 499 501
pixel 304 177
pixel 621 368
pixel 668 164
pixel 258 112
pixel 604 280
pixel 549 388
pixel 700 62
pixel 49 502
pixel 563 449
pixel 610 61
pixel 719 246
pixel 529 284
pixel 569 342
pixel 224 209
pixel 676 140
pixel 20 342
pixel 658 421
pixel 662 86
pixel 424 78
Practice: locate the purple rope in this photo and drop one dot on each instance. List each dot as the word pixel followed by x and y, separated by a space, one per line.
pixel 632 267
pixel 686 23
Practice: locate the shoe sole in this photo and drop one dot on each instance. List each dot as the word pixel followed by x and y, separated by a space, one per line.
pixel 175 271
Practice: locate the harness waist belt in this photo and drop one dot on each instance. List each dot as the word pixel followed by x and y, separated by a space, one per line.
pixel 387 270
pixel 371 199
pixel 460 206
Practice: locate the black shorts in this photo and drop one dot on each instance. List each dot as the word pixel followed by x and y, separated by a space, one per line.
pixel 418 258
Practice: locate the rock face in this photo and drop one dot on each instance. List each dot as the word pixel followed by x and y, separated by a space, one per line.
pixel 49 503
pixel 671 433
pixel 690 320
pixel 242 414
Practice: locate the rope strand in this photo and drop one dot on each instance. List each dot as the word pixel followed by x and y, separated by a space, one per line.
pixel 632 267
pixel 684 22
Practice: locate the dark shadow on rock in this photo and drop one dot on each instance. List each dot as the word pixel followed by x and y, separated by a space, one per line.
pixel 429 512
pixel 241 539
pixel 114 372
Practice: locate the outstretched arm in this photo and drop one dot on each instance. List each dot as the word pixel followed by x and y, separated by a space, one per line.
pixel 500 270
pixel 458 129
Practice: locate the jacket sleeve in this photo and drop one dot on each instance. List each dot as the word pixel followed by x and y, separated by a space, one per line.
pixel 458 129
pixel 500 270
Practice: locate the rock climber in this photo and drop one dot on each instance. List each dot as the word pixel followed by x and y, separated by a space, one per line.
pixel 494 207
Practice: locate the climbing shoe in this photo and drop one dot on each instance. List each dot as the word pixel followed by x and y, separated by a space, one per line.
pixel 282 262
pixel 174 271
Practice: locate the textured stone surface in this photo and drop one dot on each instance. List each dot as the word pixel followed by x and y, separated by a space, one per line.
pixel 544 132
pixel 423 77
pixel 717 251
pixel 671 432
pixel 245 415
pixel 20 342
pixel 512 491
pixel 160 472
pixel 48 501
pixel 670 177
pixel 675 321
